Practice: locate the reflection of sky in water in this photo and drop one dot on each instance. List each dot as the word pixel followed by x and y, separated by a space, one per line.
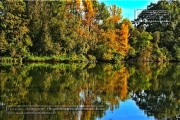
pixel 128 110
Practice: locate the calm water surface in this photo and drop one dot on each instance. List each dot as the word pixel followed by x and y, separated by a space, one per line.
pixel 79 91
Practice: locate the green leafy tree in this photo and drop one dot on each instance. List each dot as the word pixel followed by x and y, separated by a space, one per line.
pixel 174 16
pixel 39 13
pixel 3 43
pixel 156 37
pixel 144 39
pixel 177 31
pixel 14 24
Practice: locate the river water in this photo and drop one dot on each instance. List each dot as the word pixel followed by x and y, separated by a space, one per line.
pixel 83 91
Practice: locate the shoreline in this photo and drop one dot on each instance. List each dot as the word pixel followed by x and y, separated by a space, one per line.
pixel 50 59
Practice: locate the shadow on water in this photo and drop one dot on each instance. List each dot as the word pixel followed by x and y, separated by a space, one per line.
pixel 86 91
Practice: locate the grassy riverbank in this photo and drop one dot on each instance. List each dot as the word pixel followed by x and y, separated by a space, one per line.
pixel 68 59
pixel 10 60
pixel 60 58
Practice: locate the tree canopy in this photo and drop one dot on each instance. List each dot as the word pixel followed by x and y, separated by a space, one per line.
pixel 86 29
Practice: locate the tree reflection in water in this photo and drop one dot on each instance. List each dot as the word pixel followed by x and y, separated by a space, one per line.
pixel 161 98
pixel 155 88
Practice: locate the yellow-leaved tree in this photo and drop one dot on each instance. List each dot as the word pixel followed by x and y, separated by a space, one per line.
pixel 118 32
pixel 122 39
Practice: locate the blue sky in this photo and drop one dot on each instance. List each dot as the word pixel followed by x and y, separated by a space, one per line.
pixel 128 6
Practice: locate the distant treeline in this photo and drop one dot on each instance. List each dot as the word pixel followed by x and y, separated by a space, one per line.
pixel 84 30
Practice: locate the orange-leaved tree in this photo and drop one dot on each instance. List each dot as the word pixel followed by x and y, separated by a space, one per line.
pixel 118 32
pixel 89 14
pixel 122 39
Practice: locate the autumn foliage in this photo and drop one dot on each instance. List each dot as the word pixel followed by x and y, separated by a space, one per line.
pixel 122 39
pixel 74 27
